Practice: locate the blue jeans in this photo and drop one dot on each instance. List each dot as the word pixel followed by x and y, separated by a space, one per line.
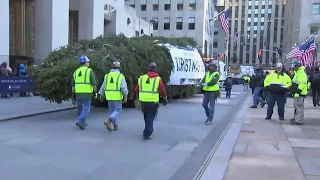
pixel 228 92
pixel 83 109
pixel 256 97
pixel 209 97
pixel 115 108
pixel 280 99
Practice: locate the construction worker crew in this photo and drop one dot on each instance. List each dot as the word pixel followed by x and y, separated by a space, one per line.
pixel 299 90
pixel 211 88
pixel 83 85
pixel 277 84
pixel 148 90
pixel 114 89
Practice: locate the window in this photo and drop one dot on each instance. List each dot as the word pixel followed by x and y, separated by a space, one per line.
pixel 255 28
pixel 180 5
pixel 167 5
pixel 166 23
pixel 143 5
pixel 263 11
pixel 256 3
pixel 192 4
pixel 132 3
pixel 316 8
pixel 155 23
pixel 249 11
pixel 313 30
pixel 248 28
pixel 269 11
pixel 263 2
pixel 215 43
pixel 179 23
pixel 256 11
pixel 255 19
pixel 250 3
pixel 155 5
pixel 270 2
pixel 249 19
pixel 192 23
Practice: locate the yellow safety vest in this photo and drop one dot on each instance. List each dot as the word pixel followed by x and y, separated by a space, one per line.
pixel 82 80
pixel 112 86
pixel 297 79
pixel 208 78
pixel 148 89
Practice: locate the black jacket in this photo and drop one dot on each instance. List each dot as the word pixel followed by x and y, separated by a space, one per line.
pixel 257 80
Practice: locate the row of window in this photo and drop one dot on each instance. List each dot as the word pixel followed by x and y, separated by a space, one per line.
pixel 167 5
pixel 179 23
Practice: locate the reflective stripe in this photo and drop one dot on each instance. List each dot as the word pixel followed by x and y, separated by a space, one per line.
pixel 85 77
pixel 117 84
pixel 153 86
pixel 272 82
pixel 296 80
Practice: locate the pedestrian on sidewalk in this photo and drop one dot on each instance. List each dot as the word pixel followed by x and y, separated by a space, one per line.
pixel 114 89
pixel 147 90
pixel 228 86
pixel 257 83
pixel 83 85
pixel 211 91
pixel 315 86
pixel 299 90
pixel 277 84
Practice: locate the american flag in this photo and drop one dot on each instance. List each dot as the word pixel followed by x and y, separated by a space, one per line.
pixel 224 18
pixel 235 38
pixel 306 53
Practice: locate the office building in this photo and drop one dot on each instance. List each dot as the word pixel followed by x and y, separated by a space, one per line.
pixel 178 18
pixel 260 25
pixel 302 19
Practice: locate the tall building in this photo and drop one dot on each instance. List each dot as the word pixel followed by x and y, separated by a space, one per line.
pixel 220 39
pixel 178 18
pixel 260 25
pixel 302 19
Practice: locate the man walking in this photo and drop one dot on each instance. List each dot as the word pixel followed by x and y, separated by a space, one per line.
pixel 246 81
pixel 299 90
pixel 211 90
pixel 257 83
pixel 315 86
pixel 277 84
pixel 228 86
pixel 148 90
pixel 114 89
pixel 83 85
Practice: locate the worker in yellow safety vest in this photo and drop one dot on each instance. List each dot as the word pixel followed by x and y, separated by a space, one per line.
pixel 299 90
pixel 210 86
pixel 83 85
pixel 114 89
pixel 277 84
pixel 148 90
pixel 246 81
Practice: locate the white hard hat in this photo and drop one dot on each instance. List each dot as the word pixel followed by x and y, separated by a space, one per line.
pixel 279 65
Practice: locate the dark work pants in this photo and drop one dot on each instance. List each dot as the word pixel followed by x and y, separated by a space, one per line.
pixel 228 92
pixel 280 99
pixel 149 110
pixel 315 95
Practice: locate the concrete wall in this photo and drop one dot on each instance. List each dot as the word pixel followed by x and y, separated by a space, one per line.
pixel 4 31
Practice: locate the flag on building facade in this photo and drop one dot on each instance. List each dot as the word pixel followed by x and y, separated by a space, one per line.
pixel 235 38
pixel 306 53
pixel 224 19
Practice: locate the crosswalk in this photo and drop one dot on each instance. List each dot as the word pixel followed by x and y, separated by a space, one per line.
pixel 223 100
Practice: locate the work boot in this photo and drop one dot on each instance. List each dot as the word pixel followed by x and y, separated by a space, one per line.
pixel 115 127
pixel 82 126
pixel 208 122
pixel 108 124
pixel 254 106
pixel 281 118
pixel 267 118
pixel 293 122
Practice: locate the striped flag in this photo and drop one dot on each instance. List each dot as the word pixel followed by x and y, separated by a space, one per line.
pixel 235 38
pixel 224 18
pixel 306 53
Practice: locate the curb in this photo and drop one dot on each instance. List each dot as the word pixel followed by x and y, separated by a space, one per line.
pixel 7 118
pixel 217 161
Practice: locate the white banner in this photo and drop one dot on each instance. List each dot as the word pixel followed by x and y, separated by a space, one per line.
pixel 188 67
pixel 247 70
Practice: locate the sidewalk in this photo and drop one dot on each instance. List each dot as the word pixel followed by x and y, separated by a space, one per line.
pixel 11 108
pixel 277 150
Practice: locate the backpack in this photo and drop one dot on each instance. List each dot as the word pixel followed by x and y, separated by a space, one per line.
pixel 228 82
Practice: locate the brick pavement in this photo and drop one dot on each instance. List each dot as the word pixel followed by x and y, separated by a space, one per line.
pixel 277 150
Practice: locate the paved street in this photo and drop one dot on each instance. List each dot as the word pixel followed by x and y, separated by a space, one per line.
pixel 277 150
pixel 51 147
